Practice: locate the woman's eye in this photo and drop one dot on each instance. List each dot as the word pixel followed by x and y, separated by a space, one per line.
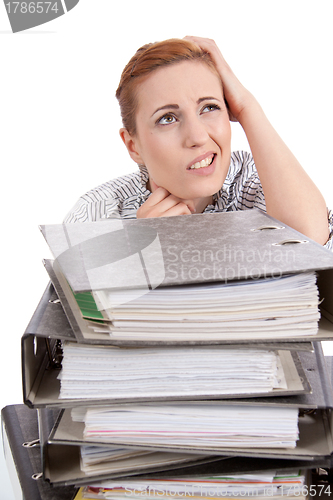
pixel 166 119
pixel 210 107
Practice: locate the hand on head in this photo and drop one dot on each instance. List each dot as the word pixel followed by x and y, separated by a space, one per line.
pixel 237 97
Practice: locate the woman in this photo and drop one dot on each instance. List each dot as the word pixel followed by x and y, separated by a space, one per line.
pixel 176 99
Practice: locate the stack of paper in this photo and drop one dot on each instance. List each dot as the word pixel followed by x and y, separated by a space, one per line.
pixel 260 485
pixel 250 309
pixel 193 426
pixel 110 372
pixel 97 460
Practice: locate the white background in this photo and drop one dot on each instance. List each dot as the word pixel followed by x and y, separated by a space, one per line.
pixel 59 118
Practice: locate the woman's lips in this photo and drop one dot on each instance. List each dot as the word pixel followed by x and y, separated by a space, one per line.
pixel 204 166
pixel 202 161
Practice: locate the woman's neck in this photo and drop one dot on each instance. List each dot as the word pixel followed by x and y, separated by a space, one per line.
pixel 201 203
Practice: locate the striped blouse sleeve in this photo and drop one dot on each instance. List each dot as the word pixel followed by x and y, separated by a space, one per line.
pixel 90 212
pixel 329 243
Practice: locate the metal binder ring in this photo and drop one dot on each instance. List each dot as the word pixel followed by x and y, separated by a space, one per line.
pixel 31 444
pixel 37 476
pixel 54 301
pixel 263 228
pixel 289 242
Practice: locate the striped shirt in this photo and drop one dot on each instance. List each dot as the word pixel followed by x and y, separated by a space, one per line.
pixel 121 197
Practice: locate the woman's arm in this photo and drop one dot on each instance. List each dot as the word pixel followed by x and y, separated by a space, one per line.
pixel 290 194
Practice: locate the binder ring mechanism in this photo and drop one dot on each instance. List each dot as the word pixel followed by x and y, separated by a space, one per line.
pixel 289 242
pixel 54 301
pixel 283 242
pixel 268 227
pixel 31 444
pixel 53 349
pixel 37 475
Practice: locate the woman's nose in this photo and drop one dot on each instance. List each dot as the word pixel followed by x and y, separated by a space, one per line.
pixel 195 133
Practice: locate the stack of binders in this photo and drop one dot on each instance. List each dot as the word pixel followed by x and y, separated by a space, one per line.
pixel 179 351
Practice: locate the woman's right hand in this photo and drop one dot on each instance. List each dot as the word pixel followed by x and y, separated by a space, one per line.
pixel 163 204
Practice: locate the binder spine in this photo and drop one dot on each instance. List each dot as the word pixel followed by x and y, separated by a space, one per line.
pixel 27 476
pixel 326 388
pixel 20 426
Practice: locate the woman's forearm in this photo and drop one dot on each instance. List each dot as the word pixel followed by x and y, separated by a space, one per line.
pixel 290 194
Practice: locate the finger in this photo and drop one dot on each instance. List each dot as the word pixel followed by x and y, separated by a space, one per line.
pixel 178 209
pixel 168 203
pixel 152 202
pixel 206 44
pixel 153 185
pixel 162 199
pixel 157 203
pixel 157 196
pixel 166 207
pixel 199 40
pixel 232 118
pixel 189 204
pixel 172 200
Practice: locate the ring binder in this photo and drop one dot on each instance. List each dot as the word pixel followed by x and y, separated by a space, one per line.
pixel 54 323
pixel 228 236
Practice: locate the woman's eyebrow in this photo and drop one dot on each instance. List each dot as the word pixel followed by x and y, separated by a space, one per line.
pixel 209 98
pixel 167 106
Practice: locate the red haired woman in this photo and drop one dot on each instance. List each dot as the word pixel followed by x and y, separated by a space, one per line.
pixel 176 99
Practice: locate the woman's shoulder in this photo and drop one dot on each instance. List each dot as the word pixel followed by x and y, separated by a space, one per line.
pixel 119 197
pixel 118 188
pixel 242 171
pixel 241 161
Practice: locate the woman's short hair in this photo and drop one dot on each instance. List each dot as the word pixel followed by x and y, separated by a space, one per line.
pixel 146 60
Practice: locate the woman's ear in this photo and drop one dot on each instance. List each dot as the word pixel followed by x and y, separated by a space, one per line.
pixel 131 145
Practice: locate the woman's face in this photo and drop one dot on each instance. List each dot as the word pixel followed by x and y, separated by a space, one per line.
pixel 183 130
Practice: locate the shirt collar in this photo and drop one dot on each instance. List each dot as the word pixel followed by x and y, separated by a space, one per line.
pixel 144 177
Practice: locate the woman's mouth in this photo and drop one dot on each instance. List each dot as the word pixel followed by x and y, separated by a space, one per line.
pixel 203 163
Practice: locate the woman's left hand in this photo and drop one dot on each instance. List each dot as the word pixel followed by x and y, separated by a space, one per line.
pixel 237 97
